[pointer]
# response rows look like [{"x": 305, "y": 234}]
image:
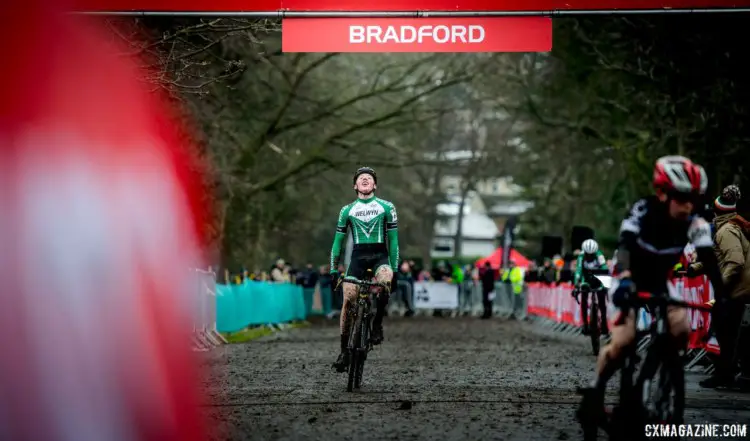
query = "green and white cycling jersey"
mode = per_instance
[
  {"x": 583, "y": 266},
  {"x": 373, "y": 221}
]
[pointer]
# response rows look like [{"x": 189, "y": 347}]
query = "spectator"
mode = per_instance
[
  {"x": 325, "y": 282},
  {"x": 532, "y": 274},
  {"x": 290, "y": 272},
  {"x": 425, "y": 275},
  {"x": 732, "y": 245},
  {"x": 558, "y": 262},
  {"x": 441, "y": 273},
  {"x": 414, "y": 269},
  {"x": 513, "y": 278},
  {"x": 405, "y": 284},
  {"x": 548, "y": 273},
  {"x": 308, "y": 278},
  {"x": 280, "y": 273},
  {"x": 488, "y": 277}
]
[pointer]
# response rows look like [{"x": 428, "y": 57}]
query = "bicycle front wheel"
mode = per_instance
[
  {"x": 362, "y": 353},
  {"x": 661, "y": 388},
  {"x": 594, "y": 325},
  {"x": 354, "y": 355}
]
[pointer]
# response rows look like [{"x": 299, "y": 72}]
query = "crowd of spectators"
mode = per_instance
[{"x": 468, "y": 278}]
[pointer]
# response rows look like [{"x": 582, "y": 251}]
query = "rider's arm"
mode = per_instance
[
  {"x": 630, "y": 229},
  {"x": 338, "y": 239},
  {"x": 578, "y": 275},
  {"x": 602, "y": 260},
  {"x": 391, "y": 226},
  {"x": 699, "y": 235}
]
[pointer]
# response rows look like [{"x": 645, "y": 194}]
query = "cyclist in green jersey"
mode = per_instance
[
  {"x": 373, "y": 221},
  {"x": 591, "y": 259}
]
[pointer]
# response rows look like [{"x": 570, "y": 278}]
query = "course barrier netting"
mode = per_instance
[
  {"x": 555, "y": 306},
  {"x": 254, "y": 303}
]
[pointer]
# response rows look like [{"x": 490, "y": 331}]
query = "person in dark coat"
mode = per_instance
[{"x": 488, "y": 278}]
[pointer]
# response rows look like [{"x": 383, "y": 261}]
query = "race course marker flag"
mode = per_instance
[{"x": 496, "y": 34}]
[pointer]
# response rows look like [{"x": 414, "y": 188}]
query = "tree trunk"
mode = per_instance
[{"x": 458, "y": 238}]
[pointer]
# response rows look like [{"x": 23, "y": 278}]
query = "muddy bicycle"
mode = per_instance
[
  {"x": 596, "y": 319},
  {"x": 658, "y": 393},
  {"x": 360, "y": 320}
]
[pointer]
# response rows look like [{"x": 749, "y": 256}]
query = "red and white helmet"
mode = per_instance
[{"x": 678, "y": 174}]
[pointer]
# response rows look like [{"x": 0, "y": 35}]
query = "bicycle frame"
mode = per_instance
[
  {"x": 361, "y": 311},
  {"x": 359, "y": 335},
  {"x": 660, "y": 352},
  {"x": 594, "y": 318}
]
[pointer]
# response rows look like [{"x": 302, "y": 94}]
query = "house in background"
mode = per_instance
[
  {"x": 500, "y": 197},
  {"x": 479, "y": 231},
  {"x": 485, "y": 212}
]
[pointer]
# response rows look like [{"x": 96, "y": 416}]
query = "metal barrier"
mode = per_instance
[
  {"x": 554, "y": 308},
  {"x": 468, "y": 299},
  {"x": 402, "y": 300},
  {"x": 205, "y": 336}
]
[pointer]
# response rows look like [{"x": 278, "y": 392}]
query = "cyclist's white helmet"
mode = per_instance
[{"x": 590, "y": 246}]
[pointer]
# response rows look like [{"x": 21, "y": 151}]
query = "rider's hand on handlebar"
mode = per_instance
[
  {"x": 336, "y": 280},
  {"x": 692, "y": 271},
  {"x": 624, "y": 290},
  {"x": 624, "y": 275}
]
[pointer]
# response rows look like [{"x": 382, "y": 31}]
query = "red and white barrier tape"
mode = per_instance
[{"x": 556, "y": 304}]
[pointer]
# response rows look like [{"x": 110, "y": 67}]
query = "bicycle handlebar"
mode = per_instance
[
  {"x": 356, "y": 281},
  {"x": 648, "y": 298}
]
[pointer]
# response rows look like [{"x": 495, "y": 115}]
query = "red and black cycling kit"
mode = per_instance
[{"x": 652, "y": 242}]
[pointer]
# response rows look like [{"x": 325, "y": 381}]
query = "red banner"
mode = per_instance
[
  {"x": 556, "y": 303},
  {"x": 516, "y": 34},
  {"x": 396, "y": 5}
]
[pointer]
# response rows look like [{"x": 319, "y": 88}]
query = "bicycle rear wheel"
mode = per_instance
[
  {"x": 354, "y": 356},
  {"x": 594, "y": 325}
]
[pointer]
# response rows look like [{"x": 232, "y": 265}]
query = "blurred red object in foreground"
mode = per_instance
[{"x": 100, "y": 221}]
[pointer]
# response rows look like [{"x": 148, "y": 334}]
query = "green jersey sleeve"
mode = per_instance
[
  {"x": 579, "y": 270},
  {"x": 338, "y": 237},
  {"x": 391, "y": 227}
]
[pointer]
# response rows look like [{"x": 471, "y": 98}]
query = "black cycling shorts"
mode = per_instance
[{"x": 366, "y": 257}]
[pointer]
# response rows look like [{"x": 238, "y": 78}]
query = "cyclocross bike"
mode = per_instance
[
  {"x": 595, "y": 321},
  {"x": 360, "y": 318},
  {"x": 658, "y": 395}
]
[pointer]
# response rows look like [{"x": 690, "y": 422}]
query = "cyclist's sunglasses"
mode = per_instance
[{"x": 683, "y": 198}]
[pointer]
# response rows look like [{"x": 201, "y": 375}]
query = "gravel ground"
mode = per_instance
[{"x": 434, "y": 379}]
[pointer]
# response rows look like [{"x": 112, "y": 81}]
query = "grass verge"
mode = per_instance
[{"x": 249, "y": 334}]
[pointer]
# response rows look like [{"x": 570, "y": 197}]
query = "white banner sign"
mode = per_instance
[{"x": 435, "y": 295}]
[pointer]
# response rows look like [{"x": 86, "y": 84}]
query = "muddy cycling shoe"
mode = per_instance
[
  {"x": 377, "y": 335},
  {"x": 591, "y": 410},
  {"x": 342, "y": 363}
]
